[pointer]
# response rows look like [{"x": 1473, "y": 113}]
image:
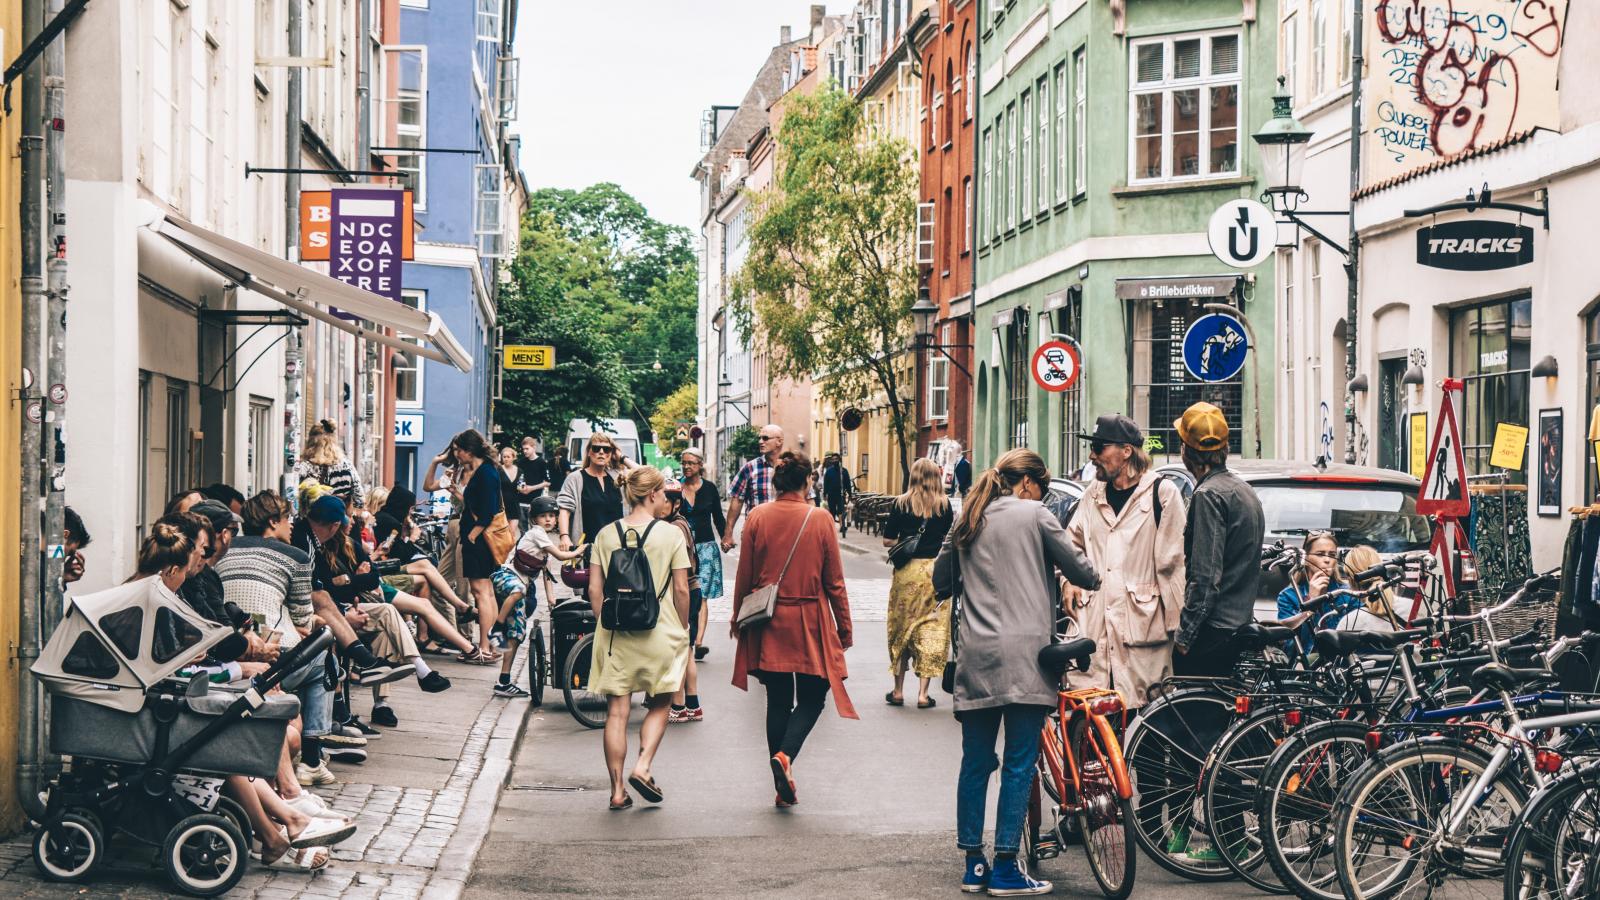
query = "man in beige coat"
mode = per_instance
[{"x": 1138, "y": 551}]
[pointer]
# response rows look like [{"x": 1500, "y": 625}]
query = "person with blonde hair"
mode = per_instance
[
  {"x": 652, "y": 660},
  {"x": 919, "y": 624},
  {"x": 1004, "y": 553},
  {"x": 1376, "y": 613},
  {"x": 322, "y": 458}
]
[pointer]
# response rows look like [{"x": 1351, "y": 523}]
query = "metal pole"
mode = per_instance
[
  {"x": 54, "y": 447},
  {"x": 1255, "y": 359},
  {"x": 1352, "y": 265},
  {"x": 30, "y": 713},
  {"x": 293, "y": 351}
]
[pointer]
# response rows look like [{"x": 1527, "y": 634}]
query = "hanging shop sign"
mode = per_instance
[
  {"x": 1056, "y": 366},
  {"x": 1215, "y": 346},
  {"x": 529, "y": 357},
  {"x": 1201, "y": 287},
  {"x": 1474, "y": 245},
  {"x": 1510, "y": 446},
  {"x": 1444, "y": 483},
  {"x": 316, "y": 226},
  {"x": 364, "y": 250},
  {"x": 1242, "y": 233}
]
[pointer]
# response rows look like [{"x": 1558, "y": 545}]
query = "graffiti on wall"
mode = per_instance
[{"x": 1446, "y": 76}]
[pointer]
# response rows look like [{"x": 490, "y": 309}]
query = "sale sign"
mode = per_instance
[{"x": 364, "y": 249}]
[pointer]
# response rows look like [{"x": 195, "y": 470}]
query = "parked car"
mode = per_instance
[{"x": 623, "y": 431}]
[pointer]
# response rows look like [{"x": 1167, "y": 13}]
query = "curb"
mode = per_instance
[{"x": 454, "y": 869}]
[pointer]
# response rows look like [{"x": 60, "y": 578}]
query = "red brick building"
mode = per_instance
[{"x": 947, "y": 43}]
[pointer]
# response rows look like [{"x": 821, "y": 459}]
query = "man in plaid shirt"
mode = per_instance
[{"x": 753, "y": 485}]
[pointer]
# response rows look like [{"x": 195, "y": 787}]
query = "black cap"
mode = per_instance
[
  {"x": 220, "y": 516},
  {"x": 1115, "y": 428}
]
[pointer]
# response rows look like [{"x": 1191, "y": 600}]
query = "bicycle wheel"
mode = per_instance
[
  {"x": 1229, "y": 785},
  {"x": 1553, "y": 850},
  {"x": 1389, "y": 839},
  {"x": 538, "y": 666},
  {"x": 1295, "y": 805},
  {"x": 1105, "y": 820},
  {"x": 588, "y": 708},
  {"x": 1166, "y": 748}
]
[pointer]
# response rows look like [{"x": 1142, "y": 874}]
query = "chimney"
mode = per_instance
[
  {"x": 783, "y": 35},
  {"x": 819, "y": 11}
]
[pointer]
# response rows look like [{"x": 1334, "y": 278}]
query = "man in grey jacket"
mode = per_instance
[{"x": 1222, "y": 547}]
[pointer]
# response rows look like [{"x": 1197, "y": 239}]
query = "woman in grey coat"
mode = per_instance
[{"x": 1005, "y": 552}]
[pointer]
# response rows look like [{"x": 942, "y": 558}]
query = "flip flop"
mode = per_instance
[
  {"x": 928, "y": 705},
  {"x": 646, "y": 788},
  {"x": 627, "y": 803},
  {"x": 889, "y": 699},
  {"x": 323, "y": 832}
]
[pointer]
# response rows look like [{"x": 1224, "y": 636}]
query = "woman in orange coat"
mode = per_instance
[{"x": 799, "y": 653}]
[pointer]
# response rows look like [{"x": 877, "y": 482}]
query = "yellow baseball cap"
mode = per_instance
[{"x": 1203, "y": 427}]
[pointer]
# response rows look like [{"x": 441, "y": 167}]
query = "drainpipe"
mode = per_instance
[
  {"x": 294, "y": 347},
  {"x": 30, "y": 715},
  {"x": 1352, "y": 266},
  {"x": 54, "y": 438},
  {"x": 972, "y": 226},
  {"x": 368, "y": 438}
]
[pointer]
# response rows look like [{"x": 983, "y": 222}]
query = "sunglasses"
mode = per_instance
[
  {"x": 606, "y": 450},
  {"x": 1096, "y": 446}
]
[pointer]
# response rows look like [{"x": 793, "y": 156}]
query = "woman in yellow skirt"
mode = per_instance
[{"x": 919, "y": 625}]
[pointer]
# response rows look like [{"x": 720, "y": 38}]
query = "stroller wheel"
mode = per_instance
[
  {"x": 234, "y": 813},
  {"x": 204, "y": 855},
  {"x": 69, "y": 850}
]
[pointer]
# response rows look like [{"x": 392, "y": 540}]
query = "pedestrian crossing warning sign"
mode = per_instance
[
  {"x": 529, "y": 356},
  {"x": 1444, "y": 484}
]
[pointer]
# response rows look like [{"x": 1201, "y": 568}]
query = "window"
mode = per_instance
[
  {"x": 954, "y": 82},
  {"x": 177, "y": 96},
  {"x": 143, "y": 449},
  {"x": 177, "y": 435},
  {"x": 1011, "y": 166},
  {"x": 1025, "y": 162},
  {"x": 1319, "y": 48},
  {"x": 972, "y": 80},
  {"x": 925, "y": 233},
  {"x": 987, "y": 187},
  {"x": 1289, "y": 51},
  {"x": 934, "y": 132},
  {"x": 404, "y": 81},
  {"x": 966, "y": 220},
  {"x": 258, "y": 445},
  {"x": 938, "y": 386},
  {"x": 1490, "y": 345},
  {"x": 1018, "y": 378},
  {"x": 1062, "y": 180},
  {"x": 947, "y": 242},
  {"x": 1042, "y": 188},
  {"x": 1314, "y": 326},
  {"x": 1080, "y": 121},
  {"x": 408, "y": 366},
  {"x": 488, "y": 225},
  {"x": 487, "y": 51},
  {"x": 1185, "y": 108},
  {"x": 510, "y": 66},
  {"x": 1345, "y": 50},
  {"x": 1292, "y": 320},
  {"x": 1162, "y": 387}
]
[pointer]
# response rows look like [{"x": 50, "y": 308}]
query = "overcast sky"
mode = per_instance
[{"x": 612, "y": 90}]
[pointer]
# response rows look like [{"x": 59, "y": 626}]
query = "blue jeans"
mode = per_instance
[
  {"x": 979, "y": 730},
  {"x": 310, "y": 684}
]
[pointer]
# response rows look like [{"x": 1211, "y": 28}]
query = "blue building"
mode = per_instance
[{"x": 452, "y": 82}]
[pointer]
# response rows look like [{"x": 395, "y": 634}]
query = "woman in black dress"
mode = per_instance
[{"x": 480, "y": 501}]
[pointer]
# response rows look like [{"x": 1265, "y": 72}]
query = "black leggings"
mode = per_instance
[{"x": 794, "y": 702}]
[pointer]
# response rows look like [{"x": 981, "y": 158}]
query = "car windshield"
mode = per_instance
[{"x": 1383, "y": 517}]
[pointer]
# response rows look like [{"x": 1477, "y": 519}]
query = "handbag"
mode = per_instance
[
  {"x": 499, "y": 538},
  {"x": 387, "y": 566},
  {"x": 527, "y": 562},
  {"x": 947, "y": 679},
  {"x": 756, "y": 607},
  {"x": 905, "y": 549}
]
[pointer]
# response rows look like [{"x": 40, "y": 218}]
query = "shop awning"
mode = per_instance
[{"x": 312, "y": 293}]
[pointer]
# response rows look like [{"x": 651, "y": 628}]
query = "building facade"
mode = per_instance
[{"x": 1108, "y": 135}]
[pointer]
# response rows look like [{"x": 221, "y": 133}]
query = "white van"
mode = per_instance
[{"x": 622, "y": 431}]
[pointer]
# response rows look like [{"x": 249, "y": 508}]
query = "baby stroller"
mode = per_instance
[{"x": 147, "y": 749}]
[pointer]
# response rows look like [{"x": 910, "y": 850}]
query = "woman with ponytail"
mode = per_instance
[
  {"x": 323, "y": 459},
  {"x": 1004, "y": 551}
]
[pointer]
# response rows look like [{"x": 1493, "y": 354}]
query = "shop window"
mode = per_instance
[
  {"x": 1163, "y": 388},
  {"x": 1489, "y": 347},
  {"x": 1392, "y": 431},
  {"x": 1018, "y": 378}
]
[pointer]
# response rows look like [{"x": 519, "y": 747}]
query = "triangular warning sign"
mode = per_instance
[{"x": 1444, "y": 482}]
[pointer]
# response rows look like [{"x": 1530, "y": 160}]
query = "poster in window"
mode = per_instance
[
  {"x": 1419, "y": 444},
  {"x": 1549, "y": 462}
]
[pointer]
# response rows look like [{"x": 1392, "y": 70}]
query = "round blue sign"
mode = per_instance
[{"x": 1214, "y": 347}]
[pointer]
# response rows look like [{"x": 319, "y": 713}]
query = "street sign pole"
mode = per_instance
[{"x": 1255, "y": 360}]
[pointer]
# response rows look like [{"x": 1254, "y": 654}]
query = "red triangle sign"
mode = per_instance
[{"x": 1444, "y": 482}]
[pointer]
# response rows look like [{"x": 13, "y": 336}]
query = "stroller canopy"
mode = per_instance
[{"x": 112, "y": 645}]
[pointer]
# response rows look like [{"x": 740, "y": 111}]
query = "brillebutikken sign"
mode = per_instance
[{"x": 1474, "y": 246}]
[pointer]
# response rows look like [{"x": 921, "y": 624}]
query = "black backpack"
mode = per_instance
[{"x": 631, "y": 601}]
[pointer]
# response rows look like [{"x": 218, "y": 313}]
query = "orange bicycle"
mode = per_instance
[{"x": 1082, "y": 774}]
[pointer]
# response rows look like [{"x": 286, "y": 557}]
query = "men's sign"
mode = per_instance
[
  {"x": 366, "y": 233},
  {"x": 529, "y": 356},
  {"x": 316, "y": 226},
  {"x": 1474, "y": 245},
  {"x": 1056, "y": 366}
]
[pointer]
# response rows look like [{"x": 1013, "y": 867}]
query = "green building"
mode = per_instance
[{"x": 1110, "y": 131}]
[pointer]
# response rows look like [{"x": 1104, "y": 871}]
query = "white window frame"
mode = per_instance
[
  {"x": 1289, "y": 51},
  {"x": 938, "y": 399},
  {"x": 1011, "y": 166},
  {"x": 986, "y": 189},
  {"x": 1346, "y": 19},
  {"x": 1319, "y": 48},
  {"x": 506, "y": 92},
  {"x": 1080, "y": 121},
  {"x": 489, "y": 195},
  {"x": 967, "y": 223},
  {"x": 1041, "y": 98},
  {"x": 418, "y": 299},
  {"x": 486, "y": 27},
  {"x": 1025, "y": 161},
  {"x": 418, "y": 4},
  {"x": 1202, "y": 84},
  {"x": 925, "y": 232},
  {"x": 391, "y": 107},
  {"x": 972, "y": 80},
  {"x": 1062, "y": 138},
  {"x": 934, "y": 134}
]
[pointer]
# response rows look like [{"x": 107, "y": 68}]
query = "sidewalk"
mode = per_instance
[{"x": 422, "y": 802}]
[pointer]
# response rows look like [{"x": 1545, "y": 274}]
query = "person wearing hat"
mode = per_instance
[
  {"x": 1221, "y": 546},
  {"x": 1129, "y": 525}
]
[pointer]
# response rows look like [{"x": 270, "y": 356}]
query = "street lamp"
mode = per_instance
[
  {"x": 1282, "y": 142},
  {"x": 923, "y": 314}
]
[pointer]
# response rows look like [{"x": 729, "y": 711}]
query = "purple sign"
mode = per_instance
[{"x": 365, "y": 240}]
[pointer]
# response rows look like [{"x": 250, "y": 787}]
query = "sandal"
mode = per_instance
[
  {"x": 292, "y": 859},
  {"x": 477, "y": 657},
  {"x": 433, "y": 649},
  {"x": 646, "y": 788},
  {"x": 890, "y": 699},
  {"x": 929, "y": 703},
  {"x": 627, "y": 803},
  {"x": 323, "y": 832}
]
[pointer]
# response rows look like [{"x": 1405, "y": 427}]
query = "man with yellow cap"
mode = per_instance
[{"x": 1222, "y": 547}]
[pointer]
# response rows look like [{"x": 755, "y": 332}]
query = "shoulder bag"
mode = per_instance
[
  {"x": 905, "y": 549},
  {"x": 497, "y": 536},
  {"x": 756, "y": 607},
  {"x": 947, "y": 680}
]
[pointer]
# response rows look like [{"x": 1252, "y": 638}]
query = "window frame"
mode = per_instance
[
  {"x": 1202, "y": 84},
  {"x": 1041, "y": 95},
  {"x": 391, "y": 106},
  {"x": 407, "y": 296},
  {"x": 1080, "y": 122},
  {"x": 966, "y": 221},
  {"x": 938, "y": 393},
  {"x": 987, "y": 187},
  {"x": 489, "y": 194},
  {"x": 1062, "y": 136},
  {"x": 1011, "y": 166},
  {"x": 1025, "y": 159},
  {"x": 1318, "y": 20}
]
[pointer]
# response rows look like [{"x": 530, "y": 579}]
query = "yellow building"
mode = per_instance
[
  {"x": 10, "y": 475},
  {"x": 869, "y": 452}
]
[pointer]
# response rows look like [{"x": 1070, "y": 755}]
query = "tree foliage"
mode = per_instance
[
  {"x": 680, "y": 406},
  {"x": 830, "y": 275},
  {"x": 614, "y": 290}
]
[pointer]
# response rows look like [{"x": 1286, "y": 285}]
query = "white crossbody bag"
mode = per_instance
[{"x": 756, "y": 607}]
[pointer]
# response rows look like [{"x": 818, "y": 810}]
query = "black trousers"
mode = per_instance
[
  {"x": 1213, "y": 654},
  {"x": 794, "y": 702}
]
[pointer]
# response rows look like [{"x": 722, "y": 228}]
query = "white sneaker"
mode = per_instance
[
  {"x": 314, "y": 777},
  {"x": 312, "y": 805}
]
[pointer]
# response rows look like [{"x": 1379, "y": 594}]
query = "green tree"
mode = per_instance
[
  {"x": 742, "y": 445},
  {"x": 830, "y": 276},
  {"x": 680, "y": 406}
]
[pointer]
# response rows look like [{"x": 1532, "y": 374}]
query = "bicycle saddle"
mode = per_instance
[
  {"x": 1255, "y": 635},
  {"x": 1501, "y": 677},
  {"x": 1340, "y": 643},
  {"x": 1057, "y": 658}
]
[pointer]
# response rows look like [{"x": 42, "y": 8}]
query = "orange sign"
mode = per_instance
[{"x": 316, "y": 226}]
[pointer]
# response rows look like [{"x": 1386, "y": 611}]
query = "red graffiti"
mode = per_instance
[{"x": 1546, "y": 37}]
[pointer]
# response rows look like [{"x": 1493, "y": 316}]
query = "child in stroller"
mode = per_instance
[{"x": 150, "y": 751}]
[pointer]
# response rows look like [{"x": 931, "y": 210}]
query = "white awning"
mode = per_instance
[{"x": 312, "y": 293}]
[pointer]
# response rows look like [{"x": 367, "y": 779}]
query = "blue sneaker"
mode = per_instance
[
  {"x": 977, "y": 878},
  {"x": 1009, "y": 879}
]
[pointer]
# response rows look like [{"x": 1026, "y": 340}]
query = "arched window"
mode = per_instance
[{"x": 949, "y": 82}]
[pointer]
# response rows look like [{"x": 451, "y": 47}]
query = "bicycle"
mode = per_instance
[{"x": 1082, "y": 770}]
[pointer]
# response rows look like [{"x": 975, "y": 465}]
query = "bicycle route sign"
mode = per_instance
[
  {"x": 1214, "y": 347},
  {"x": 1444, "y": 482},
  {"x": 1056, "y": 366}
]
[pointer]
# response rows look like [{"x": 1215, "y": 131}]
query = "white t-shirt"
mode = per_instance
[{"x": 537, "y": 541}]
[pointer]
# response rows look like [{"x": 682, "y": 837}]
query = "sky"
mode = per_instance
[{"x": 612, "y": 90}]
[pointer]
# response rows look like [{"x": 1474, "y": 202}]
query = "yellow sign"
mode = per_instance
[
  {"x": 1419, "y": 444},
  {"x": 1510, "y": 445},
  {"x": 529, "y": 356}
]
